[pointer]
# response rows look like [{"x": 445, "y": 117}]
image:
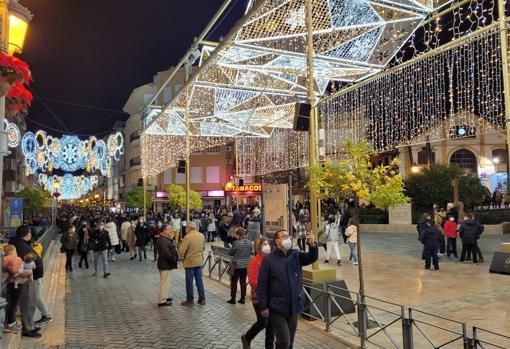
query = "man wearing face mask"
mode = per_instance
[
  {"x": 280, "y": 286},
  {"x": 100, "y": 241}
]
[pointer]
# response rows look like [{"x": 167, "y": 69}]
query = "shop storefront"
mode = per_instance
[{"x": 249, "y": 194}]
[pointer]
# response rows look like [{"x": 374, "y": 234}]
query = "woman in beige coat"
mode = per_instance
[{"x": 131, "y": 240}]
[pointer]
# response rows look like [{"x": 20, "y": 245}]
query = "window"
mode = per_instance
[
  {"x": 499, "y": 156},
  {"x": 465, "y": 159},
  {"x": 167, "y": 177},
  {"x": 135, "y": 162},
  {"x": 180, "y": 178},
  {"x": 196, "y": 175},
  {"x": 134, "y": 136},
  {"x": 214, "y": 150},
  {"x": 213, "y": 174}
]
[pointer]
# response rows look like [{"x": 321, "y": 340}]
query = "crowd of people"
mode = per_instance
[{"x": 439, "y": 233}]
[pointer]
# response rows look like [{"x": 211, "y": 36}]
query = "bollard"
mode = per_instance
[
  {"x": 407, "y": 329},
  {"x": 328, "y": 309},
  {"x": 209, "y": 263}
]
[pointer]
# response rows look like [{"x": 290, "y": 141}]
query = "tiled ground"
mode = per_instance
[{"x": 120, "y": 312}]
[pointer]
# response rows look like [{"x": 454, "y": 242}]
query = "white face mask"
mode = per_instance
[
  {"x": 266, "y": 249},
  {"x": 287, "y": 244},
  {"x": 452, "y": 219}
]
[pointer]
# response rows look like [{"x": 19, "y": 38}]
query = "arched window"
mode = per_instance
[
  {"x": 499, "y": 156},
  {"x": 465, "y": 159}
]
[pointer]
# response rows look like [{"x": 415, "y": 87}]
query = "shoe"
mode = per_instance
[
  {"x": 187, "y": 303},
  {"x": 79, "y": 266},
  {"x": 86, "y": 267},
  {"x": 106, "y": 275},
  {"x": 13, "y": 328},
  {"x": 43, "y": 320},
  {"x": 436, "y": 269},
  {"x": 355, "y": 263},
  {"x": 140, "y": 259},
  {"x": 36, "y": 329},
  {"x": 169, "y": 299},
  {"x": 165, "y": 304},
  {"x": 201, "y": 301},
  {"x": 449, "y": 258},
  {"x": 427, "y": 268},
  {"x": 31, "y": 334},
  {"x": 95, "y": 273},
  {"x": 241, "y": 301},
  {"x": 326, "y": 261},
  {"x": 231, "y": 301},
  {"x": 339, "y": 262},
  {"x": 144, "y": 256},
  {"x": 155, "y": 260},
  {"x": 246, "y": 343},
  {"x": 70, "y": 269},
  {"x": 113, "y": 259}
]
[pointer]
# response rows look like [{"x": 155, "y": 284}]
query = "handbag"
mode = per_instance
[
  {"x": 62, "y": 249},
  {"x": 231, "y": 268},
  {"x": 118, "y": 250}
]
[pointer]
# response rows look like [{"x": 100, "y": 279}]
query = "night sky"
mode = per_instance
[{"x": 96, "y": 52}]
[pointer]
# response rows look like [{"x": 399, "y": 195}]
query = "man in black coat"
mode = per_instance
[
  {"x": 470, "y": 232},
  {"x": 280, "y": 286},
  {"x": 167, "y": 260},
  {"x": 431, "y": 239},
  {"x": 28, "y": 295}
]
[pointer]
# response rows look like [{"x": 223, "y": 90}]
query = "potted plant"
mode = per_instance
[
  {"x": 12, "y": 70},
  {"x": 18, "y": 100}
]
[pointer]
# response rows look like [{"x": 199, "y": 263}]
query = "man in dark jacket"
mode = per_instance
[
  {"x": 280, "y": 286},
  {"x": 167, "y": 260},
  {"x": 431, "y": 238},
  {"x": 470, "y": 232},
  {"x": 100, "y": 243},
  {"x": 28, "y": 294},
  {"x": 142, "y": 237}
]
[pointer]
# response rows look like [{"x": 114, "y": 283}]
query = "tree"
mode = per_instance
[
  {"x": 33, "y": 200},
  {"x": 433, "y": 185},
  {"x": 134, "y": 199},
  {"x": 356, "y": 177},
  {"x": 177, "y": 198}
]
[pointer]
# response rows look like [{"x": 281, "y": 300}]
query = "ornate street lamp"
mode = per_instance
[
  {"x": 14, "y": 19},
  {"x": 19, "y": 16}
]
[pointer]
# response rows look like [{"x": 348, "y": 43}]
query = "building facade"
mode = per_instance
[{"x": 481, "y": 153}]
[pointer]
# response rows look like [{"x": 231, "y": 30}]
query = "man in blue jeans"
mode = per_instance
[
  {"x": 191, "y": 252},
  {"x": 280, "y": 286}
]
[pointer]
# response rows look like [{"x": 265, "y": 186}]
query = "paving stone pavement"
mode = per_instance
[{"x": 121, "y": 312}]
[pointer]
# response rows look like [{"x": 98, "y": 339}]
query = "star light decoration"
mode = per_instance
[
  {"x": 249, "y": 84},
  {"x": 69, "y": 153},
  {"x": 70, "y": 187}
]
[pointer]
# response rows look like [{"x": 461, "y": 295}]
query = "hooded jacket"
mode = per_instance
[
  {"x": 280, "y": 283},
  {"x": 470, "y": 231},
  {"x": 111, "y": 228}
]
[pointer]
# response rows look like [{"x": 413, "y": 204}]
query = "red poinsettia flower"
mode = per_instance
[{"x": 14, "y": 69}]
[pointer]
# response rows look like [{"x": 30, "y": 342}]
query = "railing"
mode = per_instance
[
  {"x": 381, "y": 323},
  {"x": 218, "y": 258},
  {"x": 485, "y": 339}
]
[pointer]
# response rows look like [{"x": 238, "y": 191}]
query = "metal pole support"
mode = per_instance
[
  {"x": 362, "y": 321},
  {"x": 328, "y": 309},
  {"x": 407, "y": 329}
]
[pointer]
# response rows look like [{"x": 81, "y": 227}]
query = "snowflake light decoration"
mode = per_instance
[{"x": 71, "y": 187}]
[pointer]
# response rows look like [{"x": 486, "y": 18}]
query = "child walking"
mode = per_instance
[{"x": 352, "y": 239}]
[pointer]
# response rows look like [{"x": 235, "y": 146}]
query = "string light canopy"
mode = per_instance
[
  {"x": 68, "y": 153},
  {"x": 248, "y": 85},
  {"x": 69, "y": 187}
]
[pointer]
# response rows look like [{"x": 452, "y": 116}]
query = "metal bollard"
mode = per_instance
[
  {"x": 209, "y": 263},
  {"x": 328, "y": 309},
  {"x": 407, "y": 329}
]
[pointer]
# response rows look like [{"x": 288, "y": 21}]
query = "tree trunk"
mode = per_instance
[{"x": 361, "y": 307}]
